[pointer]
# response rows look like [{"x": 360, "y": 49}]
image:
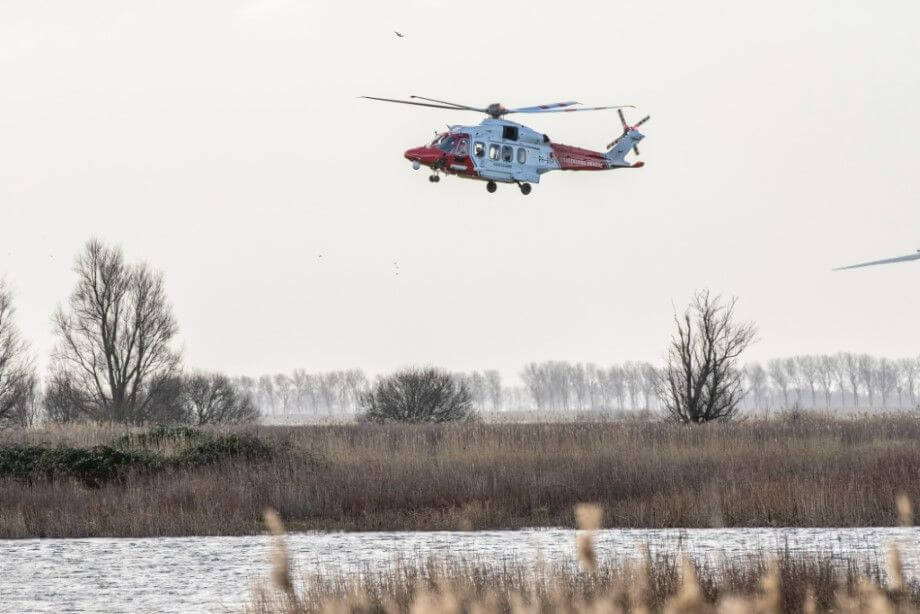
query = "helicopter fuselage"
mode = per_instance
[{"x": 498, "y": 150}]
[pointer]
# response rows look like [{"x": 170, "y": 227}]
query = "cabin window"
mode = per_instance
[
  {"x": 507, "y": 153},
  {"x": 446, "y": 143},
  {"x": 461, "y": 149},
  {"x": 522, "y": 155},
  {"x": 479, "y": 149},
  {"x": 510, "y": 133},
  {"x": 494, "y": 151}
]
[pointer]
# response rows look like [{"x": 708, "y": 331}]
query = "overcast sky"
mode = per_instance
[{"x": 223, "y": 142}]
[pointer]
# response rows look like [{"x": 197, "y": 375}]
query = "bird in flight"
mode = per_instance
[
  {"x": 398, "y": 34},
  {"x": 906, "y": 258}
]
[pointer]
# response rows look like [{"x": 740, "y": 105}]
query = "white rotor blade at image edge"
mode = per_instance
[
  {"x": 885, "y": 261},
  {"x": 542, "y": 108},
  {"x": 622, "y": 106}
]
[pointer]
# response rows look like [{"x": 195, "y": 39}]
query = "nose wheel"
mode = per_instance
[
  {"x": 491, "y": 187},
  {"x": 434, "y": 178}
]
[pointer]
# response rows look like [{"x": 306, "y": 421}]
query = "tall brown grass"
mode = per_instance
[
  {"x": 814, "y": 471},
  {"x": 761, "y": 584}
]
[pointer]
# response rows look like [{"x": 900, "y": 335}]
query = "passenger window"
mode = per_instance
[
  {"x": 507, "y": 153},
  {"x": 522, "y": 155},
  {"x": 494, "y": 152},
  {"x": 479, "y": 149}
]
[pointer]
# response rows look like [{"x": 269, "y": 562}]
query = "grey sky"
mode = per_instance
[{"x": 223, "y": 142}]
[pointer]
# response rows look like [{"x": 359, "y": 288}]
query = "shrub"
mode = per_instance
[
  {"x": 216, "y": 449},
  {"x": 159, "y": 435},
  {"x": 93, "y": 466},
  {"x": 418, "y": 395},
  {"x": 132, "y": 453}
]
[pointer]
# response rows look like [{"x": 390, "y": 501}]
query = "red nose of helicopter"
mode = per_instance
[{"x": 424, "y": 155}]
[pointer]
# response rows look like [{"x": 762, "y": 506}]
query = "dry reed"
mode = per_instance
[
  {"x": 764, "y": 585},
  {"x": 482, "y": 476}
]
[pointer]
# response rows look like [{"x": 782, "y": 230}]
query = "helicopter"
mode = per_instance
[
  {"x": 502, "y": 151},
  {"x": 906, "y": 258}
]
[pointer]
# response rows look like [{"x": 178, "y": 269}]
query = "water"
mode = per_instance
[{"x": 215, "y": 574}]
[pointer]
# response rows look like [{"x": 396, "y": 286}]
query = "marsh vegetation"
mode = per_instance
[{"x": 810, "y": 470}]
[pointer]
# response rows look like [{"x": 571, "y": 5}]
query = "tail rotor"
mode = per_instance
[{"x": 627, "y": 128}]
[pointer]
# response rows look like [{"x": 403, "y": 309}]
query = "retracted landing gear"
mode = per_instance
[{"x": 491, "y": 187}]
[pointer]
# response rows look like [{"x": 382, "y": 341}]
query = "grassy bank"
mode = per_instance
[{"x": 812, "y": 471}]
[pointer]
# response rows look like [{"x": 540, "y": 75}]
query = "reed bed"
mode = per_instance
[
  {"x": 649, "y": 583},
  {"x": 811, "y": 471}
]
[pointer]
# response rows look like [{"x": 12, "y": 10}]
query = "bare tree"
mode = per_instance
[
  {"x": 888, "y": 376},
  {"x": 211, "y": 398},
  {"x": 62, "y": 400},
  {"x": 560, "y": 383},
  {"x": 649, "y": 382},
  {"x": 850, "y": 366},
  {"x": 633, "y": 379},
  {"x": 702, "y": 380},
  {"x": 827, "y": 375},
  {"x": 910, "y": 372},
  {"x": 356, "y": 382},
  {"x": 581, "y": 386},
  {"x": 780, "y": 376},
  {"x": 535, "y": 381},
  {"x": 284, "y": 392},
  {"x": 808, "y": 375},
  {"x": 494, "y": 388},
  {"x": 618, "y": 385},
  {"x": 868, "y": 375},
  {"x": 418, "y": 395},
  {"x": 795, "y": 378},
  {"x": 266, "y": 388},
  {"x": 17, "y": 372},
  {"x": 757, "y": 382},
  {"x": 115, "y": 336}
]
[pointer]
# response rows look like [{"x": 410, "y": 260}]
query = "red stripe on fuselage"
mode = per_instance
[{"x": 578, "y": 159}]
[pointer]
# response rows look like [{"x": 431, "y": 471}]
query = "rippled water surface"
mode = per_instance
[{"x": 214, "y": 574}]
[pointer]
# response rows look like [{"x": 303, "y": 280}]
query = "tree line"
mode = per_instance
[
  {"x": 115, "y": 359},
  {"x": 842, "y": 381},
  {"x": 845, "y": 380}
]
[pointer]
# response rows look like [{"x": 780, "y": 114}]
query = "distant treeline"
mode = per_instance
[
  {"x": 844, "y": 381},
  {"x": 116, "y": 359}
]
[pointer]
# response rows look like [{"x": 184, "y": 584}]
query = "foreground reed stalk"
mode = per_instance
[{"x": 667, "y": 584}]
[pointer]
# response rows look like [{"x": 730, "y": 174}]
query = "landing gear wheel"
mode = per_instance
[
  {"x": 491, "y": 187},
  {"x": 434, "y": 178},
  {"x": 525, "y": 189}
]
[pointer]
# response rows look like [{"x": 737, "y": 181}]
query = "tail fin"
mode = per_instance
[{"x": 622, "y": 146}]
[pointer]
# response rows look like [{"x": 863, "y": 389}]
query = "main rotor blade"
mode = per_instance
[
  {"x": 624, "y": 106},
  {"x": 453, "y": 104},
  {"x": 541, "y": 108},
  {"x": 885, "y": 261},
  {"x": 420, "y": 104}
]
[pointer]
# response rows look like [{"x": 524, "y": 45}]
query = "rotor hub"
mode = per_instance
[{"x": 496, "y": 110}]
